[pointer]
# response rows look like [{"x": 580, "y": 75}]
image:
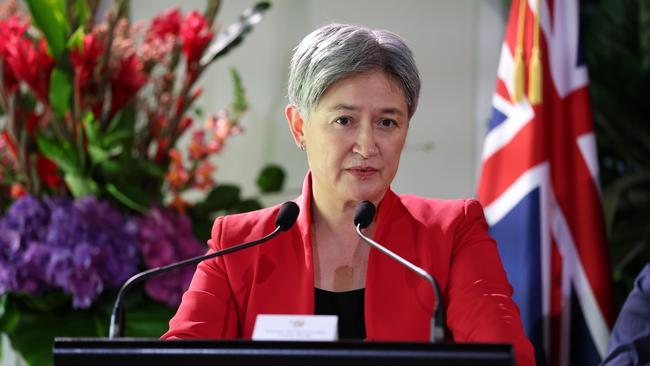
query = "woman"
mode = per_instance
[{"x": 352, "y": 92}]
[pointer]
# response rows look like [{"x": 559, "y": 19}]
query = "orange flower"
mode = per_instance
[
  {"x": 16, "y": 190},
  {"x": 203, "y": 175},
  {"x": 177, "y": 176},
  {"x": 179, "y": 204},
  {"x": 197, "y": 149}
]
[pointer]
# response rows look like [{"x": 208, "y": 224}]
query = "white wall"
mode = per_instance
[{"x": 456, "y": 45}]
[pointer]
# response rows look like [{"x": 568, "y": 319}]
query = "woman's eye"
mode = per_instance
[
  {"x": 343, "y": 120},
  {"x": 387, "y": 123}
]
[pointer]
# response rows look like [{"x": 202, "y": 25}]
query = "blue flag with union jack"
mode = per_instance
[{"x": 539, "y": 185}]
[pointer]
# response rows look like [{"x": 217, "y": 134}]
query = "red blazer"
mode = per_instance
[{"x": 447, "y": 238}]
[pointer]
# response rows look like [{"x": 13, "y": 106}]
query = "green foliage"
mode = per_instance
[
  {"x": 60, "y": 91},
  {"x": 50, "y": 17},
  {"x": 32, "y": 322},
  {"x": 239, "y": 104},
  {"x": 8, "y": 315},
  {"x": 122, "y": 154},
  {"x": 271, "y": 179},
  {"x": 80, "y": 186},
  {"x": 616, "y": 34},
  {"x": 62, "y": 152},
  {"x": 81, "y": 11},
  {"x": 226, "y": 199}
]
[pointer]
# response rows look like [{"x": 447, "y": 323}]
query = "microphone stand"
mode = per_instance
[
  {"x": 117, "y": 316},
  {"x": 437, "y": 330}
]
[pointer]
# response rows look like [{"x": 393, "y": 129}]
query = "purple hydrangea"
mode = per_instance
[
  {"x": 167, "y": 237},
  {"x": 80, "y": 246}
]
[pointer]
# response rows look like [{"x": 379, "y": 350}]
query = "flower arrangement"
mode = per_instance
[
  {"x": 80, "y": 246},
  {"x": 94, "y": 183}
]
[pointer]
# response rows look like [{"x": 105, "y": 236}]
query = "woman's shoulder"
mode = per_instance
[
  {"x": 437, "y": 210},
  {"x": 242, "y": 227},
  {"x": 435, "y": 205}
]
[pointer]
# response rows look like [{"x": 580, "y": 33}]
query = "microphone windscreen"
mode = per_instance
[
  {"x": 364, "y": 214},
  {"x": 287, "y": 215}
]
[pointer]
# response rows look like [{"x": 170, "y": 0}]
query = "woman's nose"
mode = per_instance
[{"x": 366, "y": 144}]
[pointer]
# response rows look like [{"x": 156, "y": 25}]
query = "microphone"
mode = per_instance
[
  {"x": 363, "y": 217},
  {"x": 284, "y": 220}
]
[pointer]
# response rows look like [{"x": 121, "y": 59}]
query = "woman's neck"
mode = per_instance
[
  {"x": 333, "y": 215},
  {"x": 336, "y": 218}
]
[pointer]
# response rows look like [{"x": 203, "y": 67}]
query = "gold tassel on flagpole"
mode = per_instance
[
  {"x": 535, "y": 66},
  {"x": 518, "y": 94}
]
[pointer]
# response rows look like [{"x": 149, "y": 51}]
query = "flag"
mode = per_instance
[{"x": 539, "y": 185}]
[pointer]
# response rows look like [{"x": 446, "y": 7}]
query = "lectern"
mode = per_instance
[{"x": 144, "y": 352}]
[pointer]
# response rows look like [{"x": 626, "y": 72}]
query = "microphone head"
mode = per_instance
[
  {"x": 364, "y": 214},
  {"x": 287, "y": 215}
]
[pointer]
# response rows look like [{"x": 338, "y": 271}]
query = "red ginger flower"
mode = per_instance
[
  {"x": 125, "y": 83},
  {"x": 11, "y": 30},
  {"x": 9, "y": 143},
  {"x": 183, "y": 125},
  {"x": 85, "y": 59},
  {"x": 47, "y": 171},
  {"x": 31, "y": 120},
  {"x": 168, "y": 23},
  {"x": 196, "y": 35},
  {"x": 31, "y": 64}
]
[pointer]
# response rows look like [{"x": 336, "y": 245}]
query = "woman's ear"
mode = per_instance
[{"x": 296, "y": 122}]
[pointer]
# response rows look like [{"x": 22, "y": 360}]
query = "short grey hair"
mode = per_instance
[{"x": 337, "y": 51}]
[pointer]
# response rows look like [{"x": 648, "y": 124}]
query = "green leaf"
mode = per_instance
[
  {"x": 117, "y": 137},
  {"x": 60, "y": 91},
  {"x": 9, "y": 315},
  {"x": 246, "y": 206},
  {"x": 239, "y": 104},
  {"x": 124, "y": 120},
  {"x": 50, "y": 17},
  {"x": 92, "y": 129},
  {"x": 222, "y": 197},
  {"x": 76, "y": 40},
  {"x": 120, "y": 130},
  {"x": 131, "y": 197},
  {"x": 201, "y": 225},
  {"x": 34, "y": 336},
  {"x": 148, "y": 319},
  {"x": 271, "y": 179},
  {"x": 44, "y": 302},
  {"x": 99, "y": 155},
  {"x": 61, "y": 152},
  {"x": 81, "y": 11},
  {"x": 81, "y": 186}
]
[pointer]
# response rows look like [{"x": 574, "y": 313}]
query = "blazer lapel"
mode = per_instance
[{"x": 398, "y": 302}]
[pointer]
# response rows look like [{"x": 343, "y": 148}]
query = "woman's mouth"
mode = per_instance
[{"x": 362, "y": 172}]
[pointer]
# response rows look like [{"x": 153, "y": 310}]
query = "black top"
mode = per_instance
[{"x": 348, "y": 305}]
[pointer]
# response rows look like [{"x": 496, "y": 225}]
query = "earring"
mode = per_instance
[{"x": 302, "y": 146}]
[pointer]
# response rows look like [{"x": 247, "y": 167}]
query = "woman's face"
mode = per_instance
[{"x": 354, "y": 137}]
